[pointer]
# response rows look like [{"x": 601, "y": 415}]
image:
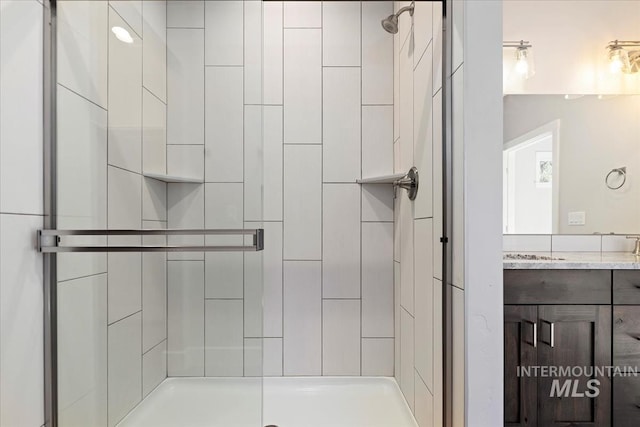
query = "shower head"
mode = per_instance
[{"x": 390, "y": 23}]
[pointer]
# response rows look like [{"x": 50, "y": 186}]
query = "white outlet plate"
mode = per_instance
[{"x": 577, "y": 218}]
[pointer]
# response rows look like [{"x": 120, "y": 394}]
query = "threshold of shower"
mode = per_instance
[{"x": 286, "y": 402}]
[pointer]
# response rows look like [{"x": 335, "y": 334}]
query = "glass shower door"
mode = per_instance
[{"x": 156, "y": 238}]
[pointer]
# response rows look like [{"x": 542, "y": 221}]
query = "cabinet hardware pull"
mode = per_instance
[
  {"x": 552, "y": 328},
  {"x": 535, "y": 332}
]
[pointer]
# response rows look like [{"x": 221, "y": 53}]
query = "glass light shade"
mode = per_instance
[
  {"x": 524, "y": 62},
  {"x": 618, "y": 59}
]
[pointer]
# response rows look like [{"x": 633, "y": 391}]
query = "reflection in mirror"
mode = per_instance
[{"x": 571, "y": 164}]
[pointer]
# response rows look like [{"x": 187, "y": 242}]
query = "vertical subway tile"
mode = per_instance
[
  {"x": 224, "y": 130},
  {"x": 254, "y": 163},
  {"x": 186, "y": 319},
  {"x": 224, "y": 32},
  {"x": 272, "y": 148},
  {"x": 437, "y": 46},
  {"x": 458, "y": 351},
  {"x": 423, "y": 133},
  {"x": 406, "y": 255},
  {"x": 185, "y": 86},
  {"x": 302, "y": 318},
  {"x": 185, "y": 209},
  {"x": 377, "y": 280},
  {"x": 377, "y": 140},
  {"x": 263, "y": 163},
  {"x": 422, "y": 23},
  {"x": 154, "y": 134},
  {"x": 302, "y": 202},
  {"x": 377, "y": 357},
  {"x": 437, "y": 185},
  {"x": 82, "y": 351},
  {"x": 272, "y": 52},
  {"x": 252, "y": 51},
  {"x": 302, "y": 85},
  {"x": 397, "y": 310},
  {"x": 82, "y": 178},
  {"x": 154, "y": 52},
  {"x": 125, "y": 367},
  {"x": 457, "y": 234},
  {"x": 154, "y": 290},
  {"x": 407, "y": 357},
  {"x": 341, "y": 241},
  {"x": 341, "y": 33},
  {"x": 424, "y": 319},
  {"x": 21, "y": 330},
  {"x": 302, "y": 14},
  {"x": 154, "y": 367},
  {"x": 224, "y": 342},
  {"x": 341, "y": 124},
  {"x": 341, "y": 337},
  {"x": 185, "y": 13},
  {"x": 377, "y": 54},
  {"x": 253, "y": 357},
  {"x": 423, "y": 410},
  {"x": 83, "y": 36},
  {"x": 272, "y": 357},
  {"x": 263, "y": 284},
  {"x": 406, "y": 107},
  {"x": 21, "y": 115}
]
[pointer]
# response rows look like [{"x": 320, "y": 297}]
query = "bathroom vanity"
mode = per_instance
[{"x": 575, "y": 310}]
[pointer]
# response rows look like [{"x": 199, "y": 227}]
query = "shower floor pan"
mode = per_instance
[{"x": 288, "y": 402}]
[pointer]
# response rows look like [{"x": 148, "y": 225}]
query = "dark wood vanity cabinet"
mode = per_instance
[
  {"x": 626, "y": 354},
  {"x": 546, "y": 325}
]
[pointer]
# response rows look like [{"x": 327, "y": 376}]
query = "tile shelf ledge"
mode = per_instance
[
  {"x": 382, "y": 179},
  {"x": 173, "y": 178}
]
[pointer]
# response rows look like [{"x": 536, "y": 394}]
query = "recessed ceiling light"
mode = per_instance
[{"x": 122, "y": 34}]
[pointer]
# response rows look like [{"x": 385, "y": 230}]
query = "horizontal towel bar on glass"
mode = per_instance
[{"x": 49, "y": 240}]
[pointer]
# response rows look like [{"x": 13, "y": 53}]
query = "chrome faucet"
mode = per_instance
[{"x": 636, "y": 250}]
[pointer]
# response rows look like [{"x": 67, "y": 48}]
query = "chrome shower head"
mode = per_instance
[{"x": 390, "y": 23}]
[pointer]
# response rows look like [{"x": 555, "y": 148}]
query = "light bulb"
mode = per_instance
[
  {"x": 616, "y": 65},
  {"x": 122, "y": 34},
  {"x": 522, "y": 66}
]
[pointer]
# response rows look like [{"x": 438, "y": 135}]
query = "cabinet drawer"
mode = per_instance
[
  {"x": 557, "y": 286},
  {"x": 626, "y": 287}
]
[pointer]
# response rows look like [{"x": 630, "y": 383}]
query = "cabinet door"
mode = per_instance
[
  {"x": 574, "y": 336},
  {"x": 626, "y": 353},
  {"x": 520, "y": 393}
]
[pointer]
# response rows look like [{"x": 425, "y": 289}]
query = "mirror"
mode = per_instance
[{"x": 571, "y": 164}]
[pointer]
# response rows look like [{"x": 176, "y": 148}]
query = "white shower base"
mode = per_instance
[{"x": 288, "y": 402}]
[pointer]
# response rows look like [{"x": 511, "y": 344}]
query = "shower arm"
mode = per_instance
[{"x": 409, "y": 8}]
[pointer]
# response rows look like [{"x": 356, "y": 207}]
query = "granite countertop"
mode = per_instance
[{"x": 573, "y": 261}]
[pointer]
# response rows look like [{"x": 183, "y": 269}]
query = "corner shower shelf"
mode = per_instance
[
  {"x": 173, "y": 178},
  {"x": 382, "y": 179}
]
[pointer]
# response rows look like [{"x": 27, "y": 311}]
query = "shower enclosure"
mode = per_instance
[{"x": 227, "y": 239}]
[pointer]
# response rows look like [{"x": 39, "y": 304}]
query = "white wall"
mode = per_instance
[
  {"x": 21, "y": 214},
  {"x": 596, "y": 135},
  {"x": 285, "y": 134},
  {"x": 569, "y": 39},
  {"x": 111, "y": 128},
  {"x": 418, "y": 225}
]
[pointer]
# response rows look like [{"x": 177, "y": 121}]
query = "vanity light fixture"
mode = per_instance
[
  {"x": 624, "y": 56},
  {"x": 524, "y": 58},
  {"x": 122, "y": 34}
]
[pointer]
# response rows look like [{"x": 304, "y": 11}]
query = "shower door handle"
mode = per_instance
[{"x": 49, "y": 240}]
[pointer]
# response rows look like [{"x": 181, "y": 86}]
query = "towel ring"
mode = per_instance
[{"x": 620, "y": 171}]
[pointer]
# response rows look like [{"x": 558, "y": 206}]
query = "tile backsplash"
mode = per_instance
[{"x": 566, "y": 243}]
